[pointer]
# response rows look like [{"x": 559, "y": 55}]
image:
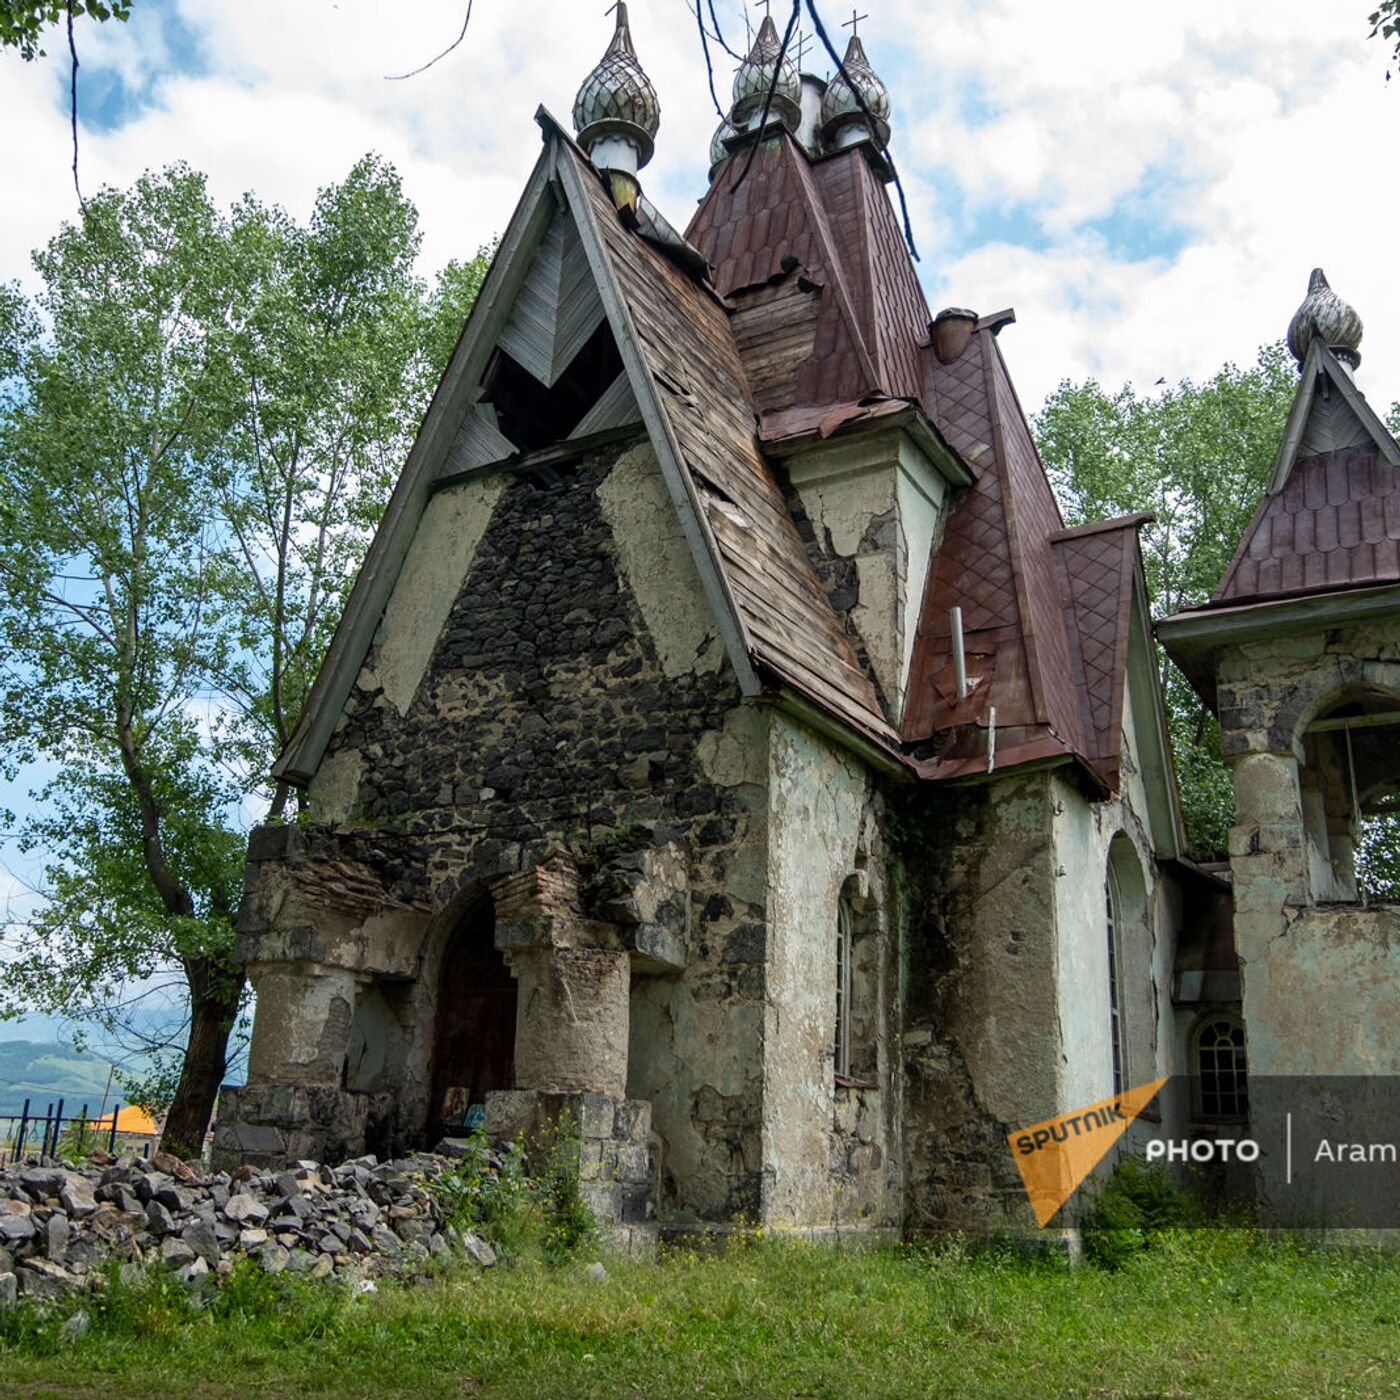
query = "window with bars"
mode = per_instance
[{"x": 1221, "y": 1069}]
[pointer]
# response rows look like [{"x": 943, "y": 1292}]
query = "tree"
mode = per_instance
[
  {"x": 1385, "y": 24},
  {"x": 202, "y": 418},
  {"x": 22, "y": 25},
  {"x": 1199, "y": 457}
]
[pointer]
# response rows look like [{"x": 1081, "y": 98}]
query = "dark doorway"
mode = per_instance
[{"x": 474, "y": 1048}]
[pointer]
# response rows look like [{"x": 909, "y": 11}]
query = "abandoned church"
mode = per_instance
[{"x": 727, "y": 747}]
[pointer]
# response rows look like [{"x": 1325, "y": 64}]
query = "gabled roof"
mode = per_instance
[
  {"x": 1329, "y": 413},
  {"x": 674, "y": 338},
  {"x": 1331, "y": 518},
  {"x": 1324, "y": 544}
]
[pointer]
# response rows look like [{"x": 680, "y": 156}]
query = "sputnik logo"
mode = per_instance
[{"x": 1056, "y": 1155}]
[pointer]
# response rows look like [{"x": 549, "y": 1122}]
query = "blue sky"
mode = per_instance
[{"x": 1149, "y": 186}]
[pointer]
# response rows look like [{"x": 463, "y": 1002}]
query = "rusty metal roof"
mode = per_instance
[
  {"x": 1031, "y": 620},
  {"x": 1096, "y": 565},
  {"x": 1334, "y": 525},
  {"x": 832, "y": 219}
]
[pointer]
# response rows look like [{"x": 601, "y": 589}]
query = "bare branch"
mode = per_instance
[
  {"x": 73, "y": 92},
  {"x": 399, "y": 77}
]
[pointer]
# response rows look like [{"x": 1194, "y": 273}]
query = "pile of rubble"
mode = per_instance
[{"x": 59, "y": 1224}]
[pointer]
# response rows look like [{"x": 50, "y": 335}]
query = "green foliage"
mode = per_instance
[
  {"x": 1385, "y": 24},
  {"x": 201, "y": 417},
  {"x": 22, "y": 22},
  {"x": 529, "y": 1207},
  {"x": 1378, "y": 859},
  {"x": 1198, "y": 456},
  {"x": 1131, "y": 1210}
]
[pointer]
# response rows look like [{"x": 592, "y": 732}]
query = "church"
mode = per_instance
[{"x": 727, "y": 749}]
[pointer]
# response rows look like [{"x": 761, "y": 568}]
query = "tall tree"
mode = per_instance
[
  {"x": 201, "y": 419},
  {"x": 1198, "y": 456}
]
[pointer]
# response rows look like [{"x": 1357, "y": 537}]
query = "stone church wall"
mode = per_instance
[
  {"x": 574, "y": 694},
  {"x": 1006, "y": 1019},
  {"x": 1318, "y": 970},
  {"x": 831, "y": 1151}
]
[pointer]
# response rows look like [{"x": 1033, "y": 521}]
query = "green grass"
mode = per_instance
[{"x": 1203, "y": 1314}]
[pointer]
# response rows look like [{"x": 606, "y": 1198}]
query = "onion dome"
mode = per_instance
[
  {"x": 755, "y": 77},
  {"x": 843, "y": 122},
  {"x": 1324, "y": 313},
  {"x": 719, "y": 152},
  {"x": 617, "y": 107}
]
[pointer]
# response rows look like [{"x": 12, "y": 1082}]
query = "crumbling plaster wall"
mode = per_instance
[
  {"x": 982, "y": 1032},
  {"x": 1006, "y": 1018},
  {"x": 575, "y": 693},
  {"x": 830, "y": 1154},
  {"x": 1318, "y": 983},
  {"x": 876, "y": 505}
]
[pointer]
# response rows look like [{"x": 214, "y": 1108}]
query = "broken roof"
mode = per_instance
[{"x": 810, "y": 319}]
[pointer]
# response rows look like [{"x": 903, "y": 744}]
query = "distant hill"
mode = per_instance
[{"x": 43, "y": 1073}]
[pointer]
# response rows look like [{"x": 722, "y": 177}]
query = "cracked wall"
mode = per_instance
[
  {"x": 574, "y": 691},
  {"x": 830, "y": 1152},
  {"x": 1317, "y": 978}
]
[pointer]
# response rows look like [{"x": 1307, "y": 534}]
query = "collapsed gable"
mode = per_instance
[{"x": 635, "y": 338}]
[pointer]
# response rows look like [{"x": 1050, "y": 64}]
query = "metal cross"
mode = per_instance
[
  {"x": 799, "y": 49},
  {"x": 853, "y": 24}
]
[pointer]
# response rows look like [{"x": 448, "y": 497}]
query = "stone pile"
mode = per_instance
[{"x": 60, "y": 1223}]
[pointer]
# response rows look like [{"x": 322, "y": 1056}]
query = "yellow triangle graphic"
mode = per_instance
[{"x": 1054, "y": 1156}]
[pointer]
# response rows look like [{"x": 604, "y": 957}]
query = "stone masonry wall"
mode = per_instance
[
  {"x": 981, "y": 1029},
  {"x": 576, "y": 694},
  {"x": 1318, "y": 982}
]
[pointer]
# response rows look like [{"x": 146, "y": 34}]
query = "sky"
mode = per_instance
[{"x": 1148, "y": 186}]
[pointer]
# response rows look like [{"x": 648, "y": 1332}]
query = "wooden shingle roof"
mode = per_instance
[{"x": 685, "y": 337}]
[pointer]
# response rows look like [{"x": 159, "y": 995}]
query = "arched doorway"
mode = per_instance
[{"x": 474, "y": 1044}]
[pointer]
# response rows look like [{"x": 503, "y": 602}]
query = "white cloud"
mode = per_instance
[{"x": 1244, "y": 141}]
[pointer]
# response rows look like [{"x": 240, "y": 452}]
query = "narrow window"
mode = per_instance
[
  {"x": 1222, "y": 1073},
  {"x": 843, "y": 989},
  {"x": 1115, "y": 1006}
]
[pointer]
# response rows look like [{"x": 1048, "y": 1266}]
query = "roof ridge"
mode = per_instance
[{"x": 1134, "y": 521}]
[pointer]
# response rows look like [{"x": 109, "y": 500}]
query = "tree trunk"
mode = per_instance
[{"x": 215, "y": 989}]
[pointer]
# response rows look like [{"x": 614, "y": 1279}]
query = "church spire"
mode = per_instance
[
  {"x": 1324, "y": 313},
  {"x": 616, "y": 112}
]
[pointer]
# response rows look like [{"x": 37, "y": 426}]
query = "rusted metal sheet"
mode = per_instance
[{"x": 1335, "y": 524}]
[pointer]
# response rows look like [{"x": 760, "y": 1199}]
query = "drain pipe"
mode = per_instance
[{"x": 955, "y": 626}]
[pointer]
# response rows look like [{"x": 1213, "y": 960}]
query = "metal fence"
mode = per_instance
[{"x": 44, "y": 1133}]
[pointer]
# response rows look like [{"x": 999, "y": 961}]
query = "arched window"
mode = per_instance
[
  {"x": 856, "y": 1058},
  {"x": 1115, "y": 986},
  {"x": 844, "y": 951},
  {"x": 1349, "y": 782},
  {"x": 1220, "y": 1068}
]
